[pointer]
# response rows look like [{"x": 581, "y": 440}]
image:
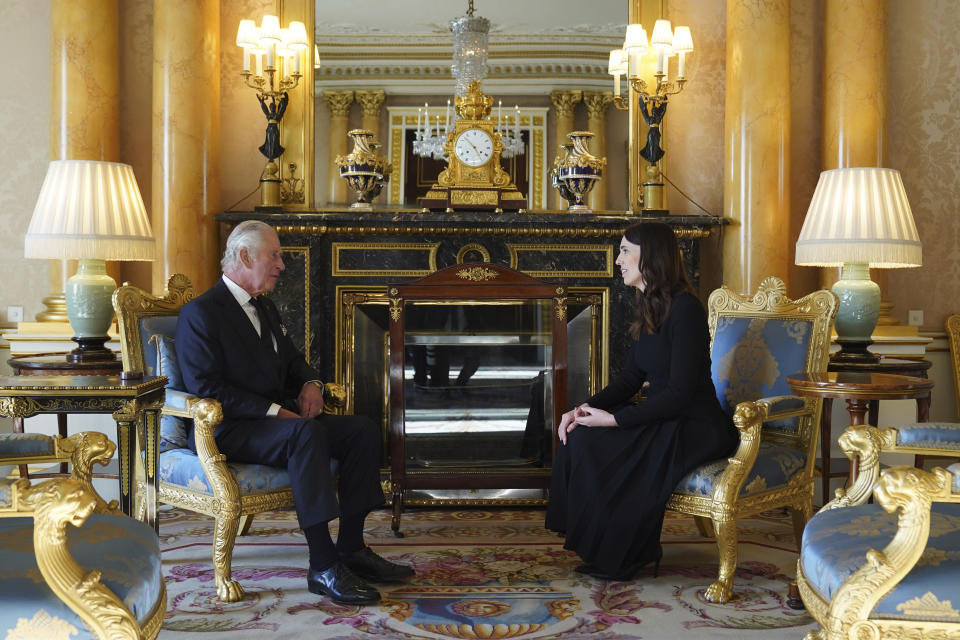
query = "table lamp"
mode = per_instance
[
  {"x": 89, "y": 211},
  {"x": 859, "y": 218}
]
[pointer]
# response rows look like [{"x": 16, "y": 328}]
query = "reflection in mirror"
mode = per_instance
[{"x": 478, "y": 384}]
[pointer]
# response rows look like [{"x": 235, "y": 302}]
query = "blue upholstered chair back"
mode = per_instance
[{"x": 752, "y": 356}]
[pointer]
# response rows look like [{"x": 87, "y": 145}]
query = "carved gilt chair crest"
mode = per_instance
[{"x": 756, "y": 342}]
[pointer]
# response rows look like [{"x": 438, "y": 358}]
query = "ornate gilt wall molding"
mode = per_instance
[{"x": 322, "y": 229}]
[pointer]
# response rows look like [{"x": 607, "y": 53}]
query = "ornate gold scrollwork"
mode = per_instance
[
  {"x": 395, "y": 307},
  {"x": 477, "y": 274},
  {"x": 18, "y": 407},
  {"x": 560, "y": 307}
]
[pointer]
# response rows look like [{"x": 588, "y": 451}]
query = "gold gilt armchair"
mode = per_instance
[
  {"x": 98, "y": 578},
  {"x": 205, "y": 481},
  {"x": 756, "y": 342},
  {"x": 890, "y": 569}
]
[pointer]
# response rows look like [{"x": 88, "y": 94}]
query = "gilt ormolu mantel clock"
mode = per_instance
[{"x": 474, "y": 178}]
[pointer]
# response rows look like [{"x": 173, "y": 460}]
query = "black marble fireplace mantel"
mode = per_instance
[{"x": 338, "y": 255}]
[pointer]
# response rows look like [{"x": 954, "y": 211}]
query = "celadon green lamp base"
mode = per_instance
[
  {"x": 857, "y": 313},
  {"x": 90, "y": 310}
]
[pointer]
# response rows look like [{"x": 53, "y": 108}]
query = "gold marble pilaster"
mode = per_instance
[
  {"x": 84, "y": 104},
  {"x": 339, "y": 103},
  {"x": 564, "y": 102},
  {"x": 756, "y": 194},
  {"x": 296, "y": 127},
  {"x": 597, "y": 103},
  {"x": 854, "y": 95},
  {"x": 186, "y": 139}
]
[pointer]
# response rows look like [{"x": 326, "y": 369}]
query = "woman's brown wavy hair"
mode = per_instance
[{"x": 661, "y": 266}]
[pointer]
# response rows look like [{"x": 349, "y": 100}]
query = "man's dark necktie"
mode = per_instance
[{"x": 266, "y": 330}]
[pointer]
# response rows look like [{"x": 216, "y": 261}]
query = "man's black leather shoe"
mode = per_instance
[
  {"x": 342, "y": 585},
  {"x": 369, "y": 566}
]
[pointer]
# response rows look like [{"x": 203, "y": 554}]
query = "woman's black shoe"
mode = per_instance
[{"x": 622, "y": 575}]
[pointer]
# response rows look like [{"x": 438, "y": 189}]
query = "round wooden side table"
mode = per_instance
[
  {"x": 56, "y": 364},
  {"x": 859, "y": 389}
]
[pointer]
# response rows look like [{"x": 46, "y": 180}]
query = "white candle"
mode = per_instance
[
  {"x": 635, "y": 63},
  {"x": 438, "y": 125},
  {"x": 296, "y": 62},
  {"x": 500, "y": 115},
  {"x": 516, "y": 122},
  {"x": 419, "y": 119},
  {"x": 246, "y": 59},
  {"x": 426, "y": 114},
  {"x": 448, "y": 116},
  {"x": 616, "y": 85},
  {"x": 270, "y": 54},
  {"x": 259, "y": 58},
  {"x": 680, "y": 64},
  {"x": 660, "y": 58}
]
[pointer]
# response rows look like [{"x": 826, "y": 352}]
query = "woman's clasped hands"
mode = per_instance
[{"x": 584, "y": 415}]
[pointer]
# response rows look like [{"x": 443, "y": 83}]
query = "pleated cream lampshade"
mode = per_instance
[
  {"x": 859, "y": 218},
  {"x": 89, "y": 211},
  {"x": 859, "y": 214}
]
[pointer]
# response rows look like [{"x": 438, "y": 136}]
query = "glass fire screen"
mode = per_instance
[{"x": 478, "y": 384}]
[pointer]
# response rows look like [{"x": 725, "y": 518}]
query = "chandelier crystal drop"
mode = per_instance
[{"x": 471, "y": 35}]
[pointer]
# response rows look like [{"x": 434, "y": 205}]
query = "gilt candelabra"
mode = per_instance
[
  {"x": 652, "y": 103},
  {"x": 277, "y": 54}
]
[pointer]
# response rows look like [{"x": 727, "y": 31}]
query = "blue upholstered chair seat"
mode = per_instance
[
  {"x": 835, "y": 543},
  {"x": 775, "y": 466},
  {"x": 13, "y": 445},
  {"x": 124, "y": 549},
  {"x": 5, "y": 498},
  {"x": 182, "y": 467},
  {"x": 934, "y": 435}
]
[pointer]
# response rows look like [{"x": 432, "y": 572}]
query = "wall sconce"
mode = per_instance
[
  {"x": 859, "y": 218},
  {"x": 277, "y": 54},
  {"x": 653, "y": 105},
  {"x": 90, "y": 211}
]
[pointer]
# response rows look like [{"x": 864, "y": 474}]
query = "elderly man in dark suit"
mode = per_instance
[{"x": 232, "y": 346}]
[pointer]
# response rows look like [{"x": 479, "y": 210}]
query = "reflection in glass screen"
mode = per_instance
[{"x": 477, "y": 384}]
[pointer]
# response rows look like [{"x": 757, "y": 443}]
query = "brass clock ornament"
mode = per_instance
[{"x": 473, "y": 178}]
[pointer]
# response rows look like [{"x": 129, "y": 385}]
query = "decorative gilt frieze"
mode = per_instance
[
  {"x": 477, "y": 274},
  {"x": 564, "y": 102},
  {"x": 579, "y": 232},
  {"x": 395, "y": 308},
  {"x": 370, "y": 102},
  {"x": 596, "y": 103},
  {"x": 339, "y": 102}
]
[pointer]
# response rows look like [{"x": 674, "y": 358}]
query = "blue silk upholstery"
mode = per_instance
[
  {"x": 149, "y": 327},
  {"x": 774, "y": 467},
  {"x": 752, "y": 357},
  {"x": 167, "y": 361},
  {"x": 835, "y": 544},
  {"x": 124, "y": 549},
  {"x": 25, "y": 444},
  {"x": 5, "y": 499},
  {"x": 934, "y": 435},
  {"x": 182, "y": 467}
]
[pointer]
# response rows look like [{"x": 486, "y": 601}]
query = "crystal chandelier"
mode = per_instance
[{"x": 471, "y": 35}]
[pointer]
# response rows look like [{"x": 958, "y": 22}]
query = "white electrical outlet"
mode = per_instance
[
  {"x": 915, "y": 317},
  {"x": 14, "y": 314}
]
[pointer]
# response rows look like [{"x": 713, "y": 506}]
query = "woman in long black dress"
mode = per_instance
[{"x": 619, "y": 462}]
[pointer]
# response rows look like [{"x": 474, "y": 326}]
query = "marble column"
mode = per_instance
[
  {"x": 337, "y": 142},
  {"x": 564, "y": 102},
  {"x": 756, "y": 193},
  {"x": 186, "y": 140},
  {"x": 84, "y": 104},
  {"x": 597, "y": 103},
  {"x": 855, "y": 95}
]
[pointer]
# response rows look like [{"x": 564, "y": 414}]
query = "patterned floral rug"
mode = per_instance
[{"x": 480, "y": 574}]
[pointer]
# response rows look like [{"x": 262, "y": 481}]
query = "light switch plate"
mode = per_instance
[
  {"x": 915, "y": 317},
  {"x": 14, "y": 314}
]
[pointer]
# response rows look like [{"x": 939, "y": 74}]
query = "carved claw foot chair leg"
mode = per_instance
[
  {"x": 720, "y": 591},
  {"x": 224, "y": 535}
]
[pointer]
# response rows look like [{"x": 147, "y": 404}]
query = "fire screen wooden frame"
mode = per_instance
[{"x": 468, "y": 283}]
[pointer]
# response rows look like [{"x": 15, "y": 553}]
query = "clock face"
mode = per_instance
[{"x": 474, "y": 147}]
